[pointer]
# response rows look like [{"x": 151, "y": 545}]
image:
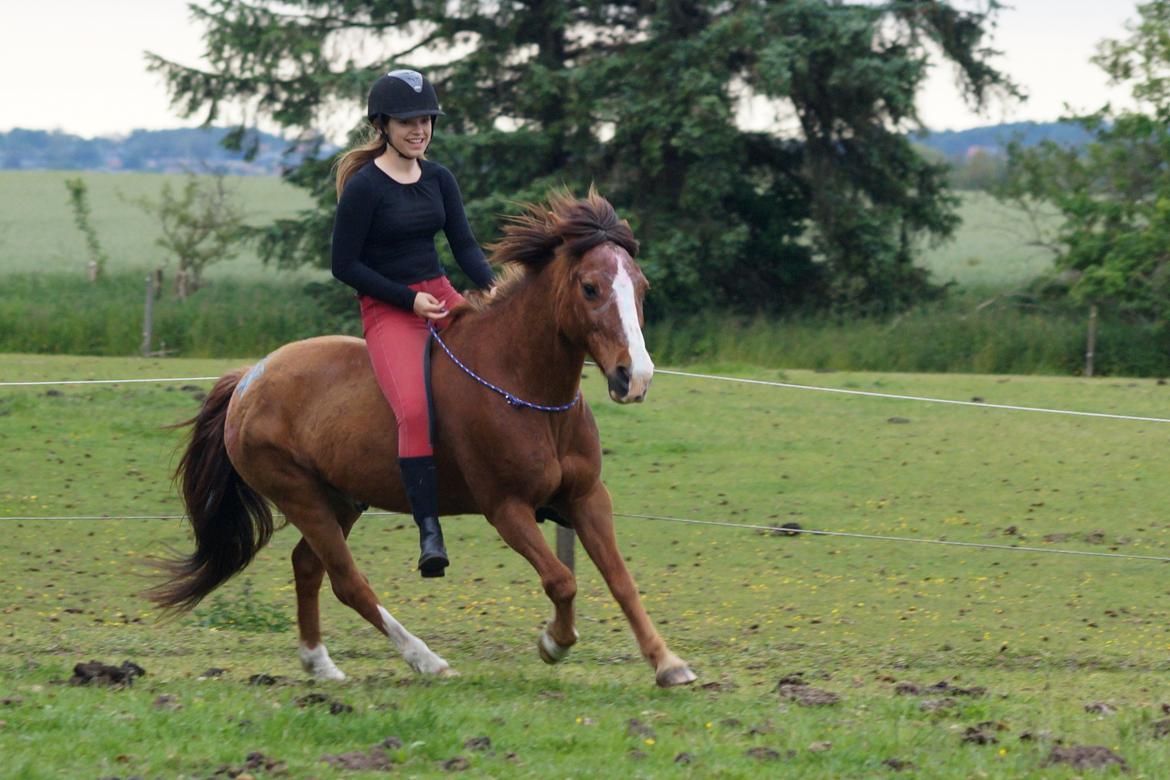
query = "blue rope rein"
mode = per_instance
[{"x": 513, "y": 401}]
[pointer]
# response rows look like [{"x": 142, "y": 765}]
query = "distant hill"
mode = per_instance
[
  {"x": 199, "y": 149},
  {"x": 993, "y": 139},
  {"x": 159, "y": 151}
]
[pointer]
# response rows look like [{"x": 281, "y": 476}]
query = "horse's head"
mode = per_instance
[
  {"x": 597, "y": 285},
  {"x": 601, "y": 307}
]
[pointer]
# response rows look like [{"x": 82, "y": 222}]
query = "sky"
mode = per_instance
[{"x": 77, "y": 65}]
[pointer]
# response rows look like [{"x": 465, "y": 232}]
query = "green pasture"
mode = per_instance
[
  {"x": 1045, "y": 635},
  {"x": 993, "y": 250},
  {"x": 990, "y": 250},
  {"x": 37, "y": 232}
]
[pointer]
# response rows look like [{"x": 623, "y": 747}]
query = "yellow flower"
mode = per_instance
[{"x": 649, "y": 740}]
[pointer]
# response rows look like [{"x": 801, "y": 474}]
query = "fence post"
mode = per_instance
[
  {"x": 566, "y": 546},
  {"x": 1091, "y": 345},
  {"x": 148, "y": 317}
]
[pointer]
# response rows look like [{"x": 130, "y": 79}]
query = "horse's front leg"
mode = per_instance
[
  {"x": 592, "y": 517},
  {"x": 516, "y": 524}
]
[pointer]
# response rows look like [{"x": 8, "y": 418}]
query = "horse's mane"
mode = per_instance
[{"x": 564, "y": 224}]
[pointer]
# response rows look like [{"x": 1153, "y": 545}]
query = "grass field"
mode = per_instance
[
  {"x": 37, "y": 233},
  {"x": 990, "y": 250},
  {"x": 1046, "y": 636}
]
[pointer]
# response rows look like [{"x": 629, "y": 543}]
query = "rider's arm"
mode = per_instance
[{"x": 463, "y": 244}]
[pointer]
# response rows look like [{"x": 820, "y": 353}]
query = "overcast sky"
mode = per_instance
[{"x": 77, "y": 65}]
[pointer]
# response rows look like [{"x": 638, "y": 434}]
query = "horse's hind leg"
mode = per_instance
[
  {"x": 309, "y": 572},
  {"x": 308, "y": 507},
  {"x": 592, "y": 517},
  {"x": 517, "y": 526}
]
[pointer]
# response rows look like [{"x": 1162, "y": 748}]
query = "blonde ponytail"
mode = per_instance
[{"x": 355, "y": 158}]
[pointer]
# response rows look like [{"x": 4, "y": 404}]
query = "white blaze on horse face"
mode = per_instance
[
  {"x": 641, "y": 366},
  {"x": 420, "y": 657}
]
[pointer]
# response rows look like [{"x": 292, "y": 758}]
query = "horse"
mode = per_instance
[{"x": 308, "y": 430}]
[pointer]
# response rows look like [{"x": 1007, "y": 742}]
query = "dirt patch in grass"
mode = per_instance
[
  {"x": 254, "y": 762},
  {"x": 795, "y": 689},
  {"x": 983, "y": 733},
  {"x": 941, "y": 687},
  {"x": 375, "y": 759},
  {"x": 358, "y": 760},
  {"x": 1084, "y": 757},
  {"x": 899, "y": 765},
  {"x": 97, "y": 673}
]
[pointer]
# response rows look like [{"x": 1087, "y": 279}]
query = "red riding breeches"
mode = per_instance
[{"x": 396, "y": 339}]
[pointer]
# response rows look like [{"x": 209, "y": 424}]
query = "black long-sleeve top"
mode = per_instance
[{"x": 384, "y": 233}]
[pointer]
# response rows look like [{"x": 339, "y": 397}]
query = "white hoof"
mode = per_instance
[
  {"x": 550, "y": 651},
  {"x": 422, "y": 660},
  {"x": 318, "y": 663}
]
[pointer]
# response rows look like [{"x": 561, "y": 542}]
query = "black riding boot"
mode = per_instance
[{"x": 422, "y": 488}]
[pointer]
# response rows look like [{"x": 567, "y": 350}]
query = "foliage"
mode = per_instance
[
  {"x": 641, "y": 98},
  {"x": 82, "y": 217},
  {"x": 201, "y": 225},
  {"x": 54, "y": 313},
  {"x": 1114, "y": 193},
  {"x": 981, "y": 170}
]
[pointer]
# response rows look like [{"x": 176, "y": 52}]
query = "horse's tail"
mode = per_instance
[{"x": 230, "y": 520}]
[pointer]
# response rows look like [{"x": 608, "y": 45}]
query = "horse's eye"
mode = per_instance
[{"x": 590, "y": 291}]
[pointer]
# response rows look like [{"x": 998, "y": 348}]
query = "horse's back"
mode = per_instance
[{"x": 314, "y": 407}]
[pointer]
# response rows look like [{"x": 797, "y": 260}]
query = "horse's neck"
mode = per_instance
[{"x": 517, "y": 339}]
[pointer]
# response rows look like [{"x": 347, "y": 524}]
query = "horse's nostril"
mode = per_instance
[{"x": 619, "y": 382}]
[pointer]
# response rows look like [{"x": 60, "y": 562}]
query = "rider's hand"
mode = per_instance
[{"x": 428, "y": 307}]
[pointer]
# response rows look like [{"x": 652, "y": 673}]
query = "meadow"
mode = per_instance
[
  {"x": 247, "y": 309},
  {"x": 1029, "y": 654}
]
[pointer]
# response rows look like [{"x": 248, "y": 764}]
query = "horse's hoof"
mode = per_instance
[
  {"x": 448, "y": 672},
  {"x": 550, "y": 651},
  {"x": 676, "y": 675},
  {"x": 318, "y": 663},
  {"x": 435, "y": 566},
  {"x": 333, "y": 674}
]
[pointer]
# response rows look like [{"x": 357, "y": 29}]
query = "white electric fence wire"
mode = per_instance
[
  {"x": 107, "y": 381},
  {"x": 844, "y": 391},
  {"x": 690, "y": 521},
  {"x": 716, "y": 377}
]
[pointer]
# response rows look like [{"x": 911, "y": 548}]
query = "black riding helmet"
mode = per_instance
[{"x": 403, "y": 94}]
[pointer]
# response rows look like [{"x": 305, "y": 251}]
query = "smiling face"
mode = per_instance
[
  {"x": 606, "y": 288},
  {"x": 410, "y": 136}
]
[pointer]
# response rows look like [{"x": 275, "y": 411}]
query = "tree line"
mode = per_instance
[
  {"x": 826, "y": 208},
  {"x": 157, "y": 151},
  {"x": 640, "y": 97}
]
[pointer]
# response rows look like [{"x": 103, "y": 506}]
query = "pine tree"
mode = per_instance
[{"x": 640, "y": 97}]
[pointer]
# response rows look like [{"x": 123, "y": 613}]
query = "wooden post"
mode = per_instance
[
  {"x": 148, "y": 318},
  {"x": 566, "y": 541},
  {"x": 1091, "y": 346}
]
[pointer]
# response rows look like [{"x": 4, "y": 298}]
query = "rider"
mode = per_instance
[{"x": 391, "y": 203}]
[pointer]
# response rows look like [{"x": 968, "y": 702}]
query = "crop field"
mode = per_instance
[
  {"x": 990, "y": 250},
  {"x": 37, "y": 233},
  {"x": 943, "y": 662}
]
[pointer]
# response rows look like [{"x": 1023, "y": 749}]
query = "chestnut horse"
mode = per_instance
[{"x": 308, "y": 429}]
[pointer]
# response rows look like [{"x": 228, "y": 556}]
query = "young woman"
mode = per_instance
[{"x": 391, "y": 203}]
